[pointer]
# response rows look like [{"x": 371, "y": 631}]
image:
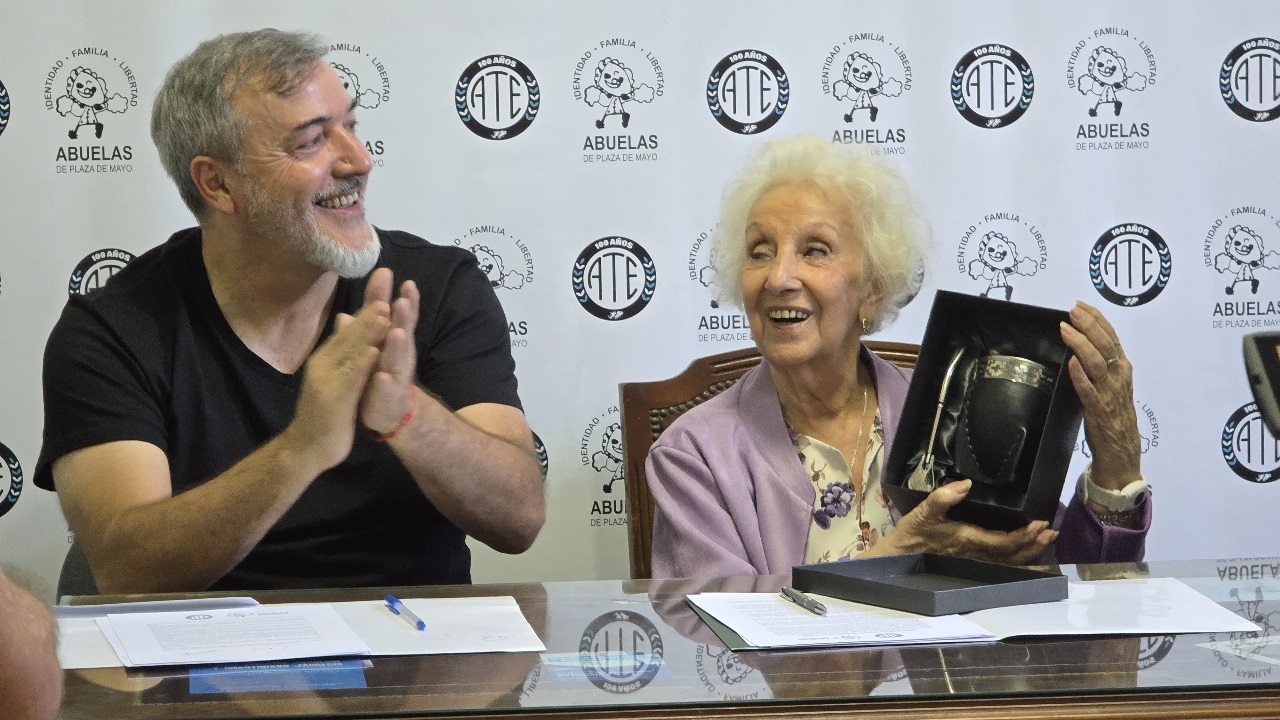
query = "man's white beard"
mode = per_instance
[
  {"x": 305, "y": 235},
  {"x": 348, "y": 262}
]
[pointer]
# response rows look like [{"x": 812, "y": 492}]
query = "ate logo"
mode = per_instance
[
  {"x": 1249, "y": 79},
  {"x": 748, "y": 92},
  {"x": 497, "y": 97},
  {"x": 614, "y": 278},
  {"x": 992, "y": 86},
  {"x": 1130, "y": 264},
  {"x": 1248, "y": 447}
]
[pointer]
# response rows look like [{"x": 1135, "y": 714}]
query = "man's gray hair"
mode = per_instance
[
  {"x": 193, "y": 114},
  {"x": 891, "y": 229}
]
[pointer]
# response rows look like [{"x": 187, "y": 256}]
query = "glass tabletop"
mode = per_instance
[{"x": 636, "y": 644}]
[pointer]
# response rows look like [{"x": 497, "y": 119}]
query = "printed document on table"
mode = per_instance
[
  {"x": 1155, "y": 606},
  {"x": 768, "y": 620},
  {"x": 256, "y": 634},
  {"x": 1150, "y": 606},
  {"x": 82, "y": 644},
  {"x": 454, "y": 625}
]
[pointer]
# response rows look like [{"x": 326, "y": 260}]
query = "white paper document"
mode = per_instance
[
  {"x": 82, "y": 644},
  {"x": 454, "y": 625},
  {"x": 766, "y": 620},
  {"x": 256, "y": 634},
  {"x": 166, "y": 633},
  {"x": 1156, "y": 606}
]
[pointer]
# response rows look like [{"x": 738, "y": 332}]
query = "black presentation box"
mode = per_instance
[
  {"x": 928, "y": 584},
  {"x": 1009, "y": 418}
]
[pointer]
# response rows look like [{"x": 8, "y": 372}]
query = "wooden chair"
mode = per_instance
[{"x": 648, "y": 408}]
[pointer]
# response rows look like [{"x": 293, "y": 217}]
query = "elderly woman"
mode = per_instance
[{"x": 818, "y": 244}]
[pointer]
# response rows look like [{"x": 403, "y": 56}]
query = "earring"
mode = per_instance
[{"x": 866, "y": 326}]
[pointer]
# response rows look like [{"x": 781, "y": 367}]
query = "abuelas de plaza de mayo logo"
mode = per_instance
[
  {"x": 1148, "y": 431},
  {"x": 716, "y": 324},
  {"x": 96, "y": 269},
  {"x": 866, "y": 75},
  {"x": 748, "y": 91},
  {"x": 1000, "y": 248},
  {"x": 1242, "y": 249},
  {"x": 1250, "y": 79},
  {"x": 508, "y": 264},
  {"x": 614, "y": 278},
  {"x": 87, "y": 90},
  {"x": 1112, "y": 70},
  {"x": 497, "y": 97},
  {"x": 600, "y": 451},
  {"x": 368, "y": 83},
  {"x": 11, "y": 486},
  {"x": 1248, "y": 447},
  {"x": 1244, "y": 653},
  {"x": 1130, "y": 264},
  {"x": 617, "y": 81},
  {"x": 992, "y": 86}
]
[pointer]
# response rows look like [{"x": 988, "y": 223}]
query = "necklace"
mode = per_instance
[{"x": 854, "y": 472}]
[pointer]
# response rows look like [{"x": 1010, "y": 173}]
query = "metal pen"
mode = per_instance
[
  {"x": 803, "y": 600},
  {"x": 398, "y": 608}
]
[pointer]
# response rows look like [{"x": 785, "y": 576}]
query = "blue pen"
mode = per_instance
[{"x": 397, "y": 607}]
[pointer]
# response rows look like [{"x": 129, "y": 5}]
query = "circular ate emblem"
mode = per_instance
[
  {"x": 1250, "y": 79},
  {"x": 748, "y": 92},
  {"x": 620, "y": 652},
  {"x": 1248, "y": 447},
  {"x": 1130, "y": 264},
  {"x": 497, "y": 97},
  {"x": 614, "y": 278},
  {"x": 96, "y": 269},
  {"x": 10, "y": 497},
  {"x": 992, "y": 86}
]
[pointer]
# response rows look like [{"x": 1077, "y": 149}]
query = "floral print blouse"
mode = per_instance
[{"x": 844, "y": 526}]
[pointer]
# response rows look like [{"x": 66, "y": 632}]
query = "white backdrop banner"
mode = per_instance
[{"x": 1122, "y": 153}]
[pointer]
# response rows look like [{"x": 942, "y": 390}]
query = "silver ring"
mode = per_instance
[
  {"x": 1015, "y": 369},
  {"x": 1112, "y": 361}
]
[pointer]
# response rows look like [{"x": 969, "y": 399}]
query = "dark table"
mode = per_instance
[{"x": 633, "y": 649}]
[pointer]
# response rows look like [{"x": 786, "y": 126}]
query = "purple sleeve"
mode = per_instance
[
  {"x": 694, "y": 534},
  {"x": 1085, "y": 539}
]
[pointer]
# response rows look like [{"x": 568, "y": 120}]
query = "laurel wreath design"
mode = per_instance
[
  {"x": 15, "y": 480},
  {"x": 957, "y": 85},
  {"x": 1028, "y": 86},
  {"x": 460, "y": 98},
  {"x": 579, "y": 287},
  {"x": 4, "y": 107},
  {"x": 1224, "y": 81},
  {"x": 76, "y": 278},
  {"x": 713, "y": 94},
  {"x": 784, "y": 93},
  {"x": 535, "y": 97}
]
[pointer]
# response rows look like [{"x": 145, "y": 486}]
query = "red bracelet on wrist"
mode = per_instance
[{"x": 404, "y": 421}]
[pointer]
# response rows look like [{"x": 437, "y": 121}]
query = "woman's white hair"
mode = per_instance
[{"x": 892, "y": 232}]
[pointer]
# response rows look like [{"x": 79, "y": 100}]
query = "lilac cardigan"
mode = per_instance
[{"x": 733, "y": 498}]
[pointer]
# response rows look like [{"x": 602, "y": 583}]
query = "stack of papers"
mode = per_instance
[
  {"x": 1158, "y": 606},
  {"x": 238, "y": 630}
]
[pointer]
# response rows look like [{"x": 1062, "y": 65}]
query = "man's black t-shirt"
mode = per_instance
[{"x": 150, "y": 357}]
